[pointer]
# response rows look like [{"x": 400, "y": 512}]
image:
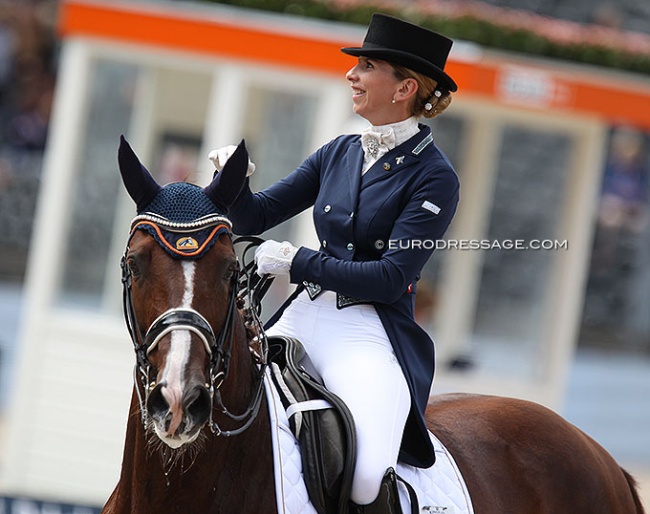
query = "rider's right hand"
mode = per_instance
[{"x": 221, "y": 155}]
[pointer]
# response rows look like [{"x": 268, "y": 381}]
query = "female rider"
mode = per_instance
[{"x": 380, "y": 200}]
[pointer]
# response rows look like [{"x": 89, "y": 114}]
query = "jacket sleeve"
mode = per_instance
[
  {"x": 411, "y": 243},
  {"x": 254, "y": 213}
]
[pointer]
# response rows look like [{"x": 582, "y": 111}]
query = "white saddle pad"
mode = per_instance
[{"x": 440, "y": 488}]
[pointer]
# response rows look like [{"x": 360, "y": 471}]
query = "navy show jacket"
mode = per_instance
[{"x": 377, "y": 231}]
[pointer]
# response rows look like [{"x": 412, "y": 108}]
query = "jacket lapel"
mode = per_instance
[{"x": 354, "y": 161}]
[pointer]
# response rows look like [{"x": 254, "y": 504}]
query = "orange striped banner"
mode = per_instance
[{"x": 605, "y": 95}]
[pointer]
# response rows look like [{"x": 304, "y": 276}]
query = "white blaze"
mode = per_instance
[{"x": 179, "y": 351}]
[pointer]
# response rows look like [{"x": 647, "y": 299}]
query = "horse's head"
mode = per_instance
[{"x": 180, "y": 278}]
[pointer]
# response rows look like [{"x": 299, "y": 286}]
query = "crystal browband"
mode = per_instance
[
  {"x": 183, "y": 240},
  {"x": 177, "y": 226}
]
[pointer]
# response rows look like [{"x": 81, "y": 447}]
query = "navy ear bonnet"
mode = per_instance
[
  {"x": 185, "y": 219},
  {"x": 182, "y": 202}
]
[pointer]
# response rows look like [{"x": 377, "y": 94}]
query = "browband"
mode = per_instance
[{"x": 183, "y": 240}]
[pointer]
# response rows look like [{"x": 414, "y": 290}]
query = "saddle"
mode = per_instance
[{"x": 321, "y": 423}]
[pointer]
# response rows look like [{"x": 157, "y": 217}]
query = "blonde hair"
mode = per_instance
[{"x": 429, "y": 101}]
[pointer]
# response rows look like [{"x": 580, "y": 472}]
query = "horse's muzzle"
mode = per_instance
[{"x": 178, "y": 418}]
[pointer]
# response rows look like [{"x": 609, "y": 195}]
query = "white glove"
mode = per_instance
[
  {"x": 221, "y": 155},
  {"x": 274, "y": 258}
]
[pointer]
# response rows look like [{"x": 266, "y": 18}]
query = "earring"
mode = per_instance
[{"x": 393, "y": 101}]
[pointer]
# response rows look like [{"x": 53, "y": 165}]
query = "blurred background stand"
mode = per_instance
[{"x": 547, "y": 150}]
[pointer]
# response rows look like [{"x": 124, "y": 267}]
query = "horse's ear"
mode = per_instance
[
  {"x": 139, "y": 183},
  {"x": 228, "y": 183}
]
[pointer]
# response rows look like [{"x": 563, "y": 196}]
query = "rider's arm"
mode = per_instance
[{"x": 411, "y": 242}]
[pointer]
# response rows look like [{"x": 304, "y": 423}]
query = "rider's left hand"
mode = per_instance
[{"x": 273, "y": 258}]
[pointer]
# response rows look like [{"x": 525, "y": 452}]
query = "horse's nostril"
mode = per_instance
[
  {"x": 197, "y": 404},
  {"x": 157, "y": 403}
]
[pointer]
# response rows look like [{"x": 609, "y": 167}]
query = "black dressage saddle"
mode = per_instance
[{"x": 321, "y": 423}]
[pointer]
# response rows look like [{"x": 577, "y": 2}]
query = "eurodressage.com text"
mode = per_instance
[{"x": 474, "y": 244}]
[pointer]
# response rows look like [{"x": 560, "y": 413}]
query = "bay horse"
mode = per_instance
[{"x": 198, "y": 432}]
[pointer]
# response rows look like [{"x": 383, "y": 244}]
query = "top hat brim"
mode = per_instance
[{"x": 413, "y": 62}]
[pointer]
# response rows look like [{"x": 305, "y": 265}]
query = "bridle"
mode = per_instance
[{"x": 245, "y": 291}]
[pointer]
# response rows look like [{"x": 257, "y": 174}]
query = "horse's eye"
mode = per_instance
[
  {"x": 230, "y": 273},
  {"x": 133, "y": 268}
]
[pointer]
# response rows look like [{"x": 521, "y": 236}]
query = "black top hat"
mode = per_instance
[{"x": 400, "y": 42}]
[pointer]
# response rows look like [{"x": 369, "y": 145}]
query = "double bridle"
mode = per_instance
[{"x": 245, "y": 292}]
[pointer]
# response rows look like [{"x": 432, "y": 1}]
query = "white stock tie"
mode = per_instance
[{"x": 376, "y": 144}]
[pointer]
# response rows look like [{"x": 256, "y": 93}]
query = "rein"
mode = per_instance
[{"x": 245, "y": 293}]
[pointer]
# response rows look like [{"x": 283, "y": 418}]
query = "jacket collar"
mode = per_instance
[{"x": 398, "y": 158}]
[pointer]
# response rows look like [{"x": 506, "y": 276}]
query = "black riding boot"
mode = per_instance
[{"x": 387, "y": 501}]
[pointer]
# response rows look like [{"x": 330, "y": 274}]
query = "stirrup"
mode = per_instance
[{"x": 387, "y": 501}]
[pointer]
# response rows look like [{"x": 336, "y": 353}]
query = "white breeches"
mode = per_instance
[{"x": 350, "y": 349}]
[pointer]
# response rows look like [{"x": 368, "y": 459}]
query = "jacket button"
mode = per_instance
[
  {"x": 352, "y": 215},
  {"x": 327, "y": 208},
  {"x": 350, "y": 246},
  {"x": 324, "y": 243}
]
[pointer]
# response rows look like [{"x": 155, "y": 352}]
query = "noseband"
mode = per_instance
[{"x": 219, "y": 349}]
